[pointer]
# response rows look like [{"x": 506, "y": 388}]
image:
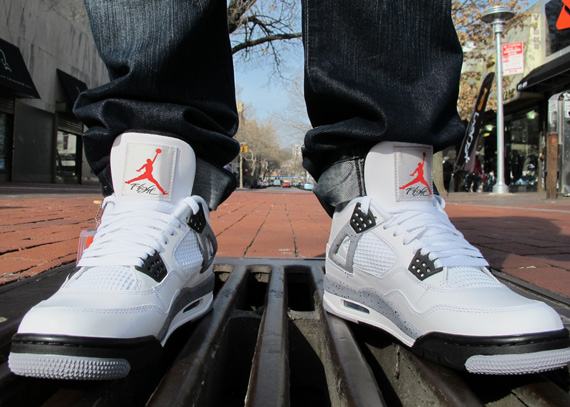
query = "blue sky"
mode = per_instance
[
  {"x": 255, "y": 90},
  {"x": 267, "y": 96},
  {"x": 258, "y": 89}
]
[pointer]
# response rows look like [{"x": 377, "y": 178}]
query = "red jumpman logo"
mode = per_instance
[
  {"x": 147, "y": 174},
  {"x": 420, "y": 178}
]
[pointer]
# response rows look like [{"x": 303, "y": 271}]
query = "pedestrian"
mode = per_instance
[{"x": 381, "y": 83}]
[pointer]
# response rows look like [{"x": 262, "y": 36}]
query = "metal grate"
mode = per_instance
[{"x": 268, "y": 342}]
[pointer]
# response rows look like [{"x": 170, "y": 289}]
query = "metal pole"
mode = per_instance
[
  {"x": 240, "y": 168},
  {"x": 497, "y": 16},
  {"x": 500, "y": 187}
]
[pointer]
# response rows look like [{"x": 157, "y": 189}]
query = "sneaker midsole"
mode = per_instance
[
  {"x": 364, "y": 305},
  {"x": 452, "y": 350}
]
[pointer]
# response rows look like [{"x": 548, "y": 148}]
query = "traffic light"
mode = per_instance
[{"x": 244, "y": 149}]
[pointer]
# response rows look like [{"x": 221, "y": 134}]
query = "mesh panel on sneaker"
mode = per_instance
[
  {"x": 470, "y": 277},
  {"x": 105, "y": 279},
  {"x": 188, "y": 254},
  {"x": 373, "y": 255}
]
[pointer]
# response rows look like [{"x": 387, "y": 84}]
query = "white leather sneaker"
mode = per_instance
[
  {"x": 395, "y": 261},
  {"x": 147, "y": 272}
]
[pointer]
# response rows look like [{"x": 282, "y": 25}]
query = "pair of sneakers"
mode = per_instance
[{"x": 394, "y": 261}]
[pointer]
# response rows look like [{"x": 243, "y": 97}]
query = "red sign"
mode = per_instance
[{"x": 513, "y": 58}]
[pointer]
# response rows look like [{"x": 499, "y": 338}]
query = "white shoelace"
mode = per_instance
[
  {"x": 429, "y": 229},
  {"x": 128, "y": 234}
]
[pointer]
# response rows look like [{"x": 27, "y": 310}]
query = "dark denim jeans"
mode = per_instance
[
  {"x": 171, "y": 73},
  {"x": 382, "y": 70}
]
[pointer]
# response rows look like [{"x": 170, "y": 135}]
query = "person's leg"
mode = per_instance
[
  {"x": 159, "y": 135},
  {"x": 381, "y": 88},
  {"x": 376, "y": 71},
  {"x": 171, "y": 73}
]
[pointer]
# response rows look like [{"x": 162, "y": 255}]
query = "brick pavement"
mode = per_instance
[
  {"x": 288, "y": 223},
  {"x": 39, "y": 232},
  {"x": 521, "y": 234}
]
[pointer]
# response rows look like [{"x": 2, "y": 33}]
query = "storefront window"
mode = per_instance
[
  {"x": 522, "y": 139},
  {"x": 66, "y": 157},
  {"x": 5, "y": 142}
]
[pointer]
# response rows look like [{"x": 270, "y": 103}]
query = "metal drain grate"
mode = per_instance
[{"x": 268, "y": 342}]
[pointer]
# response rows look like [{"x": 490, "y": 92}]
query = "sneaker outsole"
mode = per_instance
[
  {"x": 68, "y": 367},
  {"x": 518, "y": 364},
  {"x": 80, "y": 358},
  {"x": 532, "y": 353},
  {"x": 88, "y": 358}
]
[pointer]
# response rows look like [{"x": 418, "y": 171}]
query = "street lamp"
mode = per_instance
[
  {"x": 497, "y": 16},
  {"x": 242, "y": 149}
]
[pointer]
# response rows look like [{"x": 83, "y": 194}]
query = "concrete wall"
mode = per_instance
[{"x": 51, "y": 35}]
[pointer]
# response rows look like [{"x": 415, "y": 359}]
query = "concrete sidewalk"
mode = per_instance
[{"x": 523, "y": 235}]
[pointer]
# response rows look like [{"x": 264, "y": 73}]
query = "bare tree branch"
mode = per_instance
[
  {"x": 263, "y": 29},
  {"x": 263, "y": 40},
  {"x": 236, "y": 11}
]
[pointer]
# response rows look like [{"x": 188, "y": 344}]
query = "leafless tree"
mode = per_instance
[
  {"x": 293, "y": 122},
  {"x": 262, "y": 28},
  {"x": 264, "y": 153},
  {"x": 477, "y": 37}
]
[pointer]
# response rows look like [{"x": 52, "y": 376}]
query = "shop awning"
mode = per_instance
[
  {"x": 14, "y": 74},
  {"x": 546, "y": 77},
  {"x": 72, "y": 86}
]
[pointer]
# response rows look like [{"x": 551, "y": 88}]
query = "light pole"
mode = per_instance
[
  {"x": 241, "y": 150},
  {"x": 497, "y": 16}
]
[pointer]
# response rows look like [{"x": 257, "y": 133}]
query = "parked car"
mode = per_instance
[
  {"x": 308, "y": 186},
  {"x": 286, "y": 184}
]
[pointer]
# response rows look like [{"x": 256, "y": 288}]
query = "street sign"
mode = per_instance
[{"x": 513, "y": 58}]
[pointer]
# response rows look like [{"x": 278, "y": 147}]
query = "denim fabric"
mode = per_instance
[
  {"x": 171, "y": 72},
  {"x": 375, "y": 70},
  {"x": 385, "y": 70}
]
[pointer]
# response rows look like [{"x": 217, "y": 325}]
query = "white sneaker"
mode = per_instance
[
  {"x": 147, "y": 272},
  {"x": 395, "y": 261}
]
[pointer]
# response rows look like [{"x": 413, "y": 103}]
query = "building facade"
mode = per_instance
[
  {"x": 543, "y": 75},
  {"x": 47, "y": 57}
]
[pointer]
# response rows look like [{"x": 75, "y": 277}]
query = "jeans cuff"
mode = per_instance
[
  {"x": 340, "y": 183},
  {"x": 212, "y": 183}
]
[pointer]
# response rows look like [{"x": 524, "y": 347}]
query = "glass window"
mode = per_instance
[
  {"x": 66, "y": 157},
  {"x": 5, "y": 142},
  {"x": 522, "y": 136}
]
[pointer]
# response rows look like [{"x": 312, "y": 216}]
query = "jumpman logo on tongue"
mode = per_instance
[
  {"x": 147, "y": 174},
  {"x": 420, "y": 178}
]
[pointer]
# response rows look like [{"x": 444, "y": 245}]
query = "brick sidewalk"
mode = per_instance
[{"x": 522, "y": 234}]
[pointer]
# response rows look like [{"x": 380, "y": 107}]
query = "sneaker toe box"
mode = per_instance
[
  {"x": 493, "y": 313},
  {"x": 96, "y": 318}
]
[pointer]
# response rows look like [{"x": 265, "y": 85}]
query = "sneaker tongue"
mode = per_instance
[
  {"x": 397, "y": 174},
  {"x": 153, "y": 168}
]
